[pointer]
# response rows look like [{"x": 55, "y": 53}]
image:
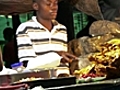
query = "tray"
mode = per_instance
[
  {"x": 48, "y": 79},
  {"x": 8, "y": 79},
  {"x": 51, "y": 82},
  {"x": 90, "y": 79},
  {"x": 14, "y": 87},
  {"x": 111, "y": 84}
]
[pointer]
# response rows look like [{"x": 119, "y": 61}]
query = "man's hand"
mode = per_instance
[{"x": 67, "y": 57}]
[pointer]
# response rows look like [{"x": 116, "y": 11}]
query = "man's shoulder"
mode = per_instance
[
  {"x": 29, "y": 22},
  {"x": 25, "y": 25},
  {"x": 59, "y": 25}
]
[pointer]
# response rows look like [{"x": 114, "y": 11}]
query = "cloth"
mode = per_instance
[
  {"x": 53, "y": 60},
  {"x": 34, "y": 40},
  {"x": 7, "y": 71}
]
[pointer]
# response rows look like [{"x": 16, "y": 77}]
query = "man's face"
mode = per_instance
[{"x": 47, "y": 9}]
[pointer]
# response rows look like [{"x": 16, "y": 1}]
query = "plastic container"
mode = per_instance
[{"x": 18, "y": 67}]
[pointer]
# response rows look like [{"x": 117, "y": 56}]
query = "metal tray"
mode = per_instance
[
  {"x": 111, "y": 84},
  {"x": 16, "y": 77},
  {"x": 50, "y": 82},
  {"x": 48, "y": 75}
]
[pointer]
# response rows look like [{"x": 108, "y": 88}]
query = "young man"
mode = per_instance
[{"x": 43, "y": 34}]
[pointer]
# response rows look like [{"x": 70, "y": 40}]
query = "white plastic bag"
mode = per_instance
[{"x": 49, "y": 60}]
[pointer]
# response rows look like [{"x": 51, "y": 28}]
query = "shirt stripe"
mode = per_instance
[{"x": 33, "y": 39}]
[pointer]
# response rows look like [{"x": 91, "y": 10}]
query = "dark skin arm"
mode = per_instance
[
  {"x": 67, "y": 57},
  {"x": 1, "y": 62}
]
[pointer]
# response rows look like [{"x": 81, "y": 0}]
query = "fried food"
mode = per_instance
[{"x": 85, "y": 70}]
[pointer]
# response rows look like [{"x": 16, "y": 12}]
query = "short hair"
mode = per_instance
[
  {"x": 34, "y": 0},
  {"x": 8, "y": 33}
]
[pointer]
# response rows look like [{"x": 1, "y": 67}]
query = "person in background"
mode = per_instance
[
  {"x": 9, "y": 52},
  {"x": 110, "y": 10},
  {"x": 3, "y": 69},
  {"x": 43, "y": 34}
]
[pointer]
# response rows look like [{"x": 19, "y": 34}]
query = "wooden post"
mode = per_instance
[
  {"x": 16, "y": 21},
  {"x": 1, "y": 61},
  {"x": 65, "y": 17}
]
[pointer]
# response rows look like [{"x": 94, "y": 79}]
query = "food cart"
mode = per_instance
[{"x": 14, "y": 7}]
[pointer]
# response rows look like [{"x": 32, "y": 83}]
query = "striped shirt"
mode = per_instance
[{"x": 33, "y": 39}]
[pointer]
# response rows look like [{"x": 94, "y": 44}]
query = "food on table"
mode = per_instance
[
  {"x": 89, "y": 77},
  {"x": 85, "y": 70},
  {"x": 108, "y": 59},
  {"x": 92, "y": 75},
  {"x": 106, "y": 62},
  {"x": 63, "y": 75},
  {"x": 29, "y": 79}
]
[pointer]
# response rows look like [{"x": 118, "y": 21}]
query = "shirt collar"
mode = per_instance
[{"x": 40, "y": 25}]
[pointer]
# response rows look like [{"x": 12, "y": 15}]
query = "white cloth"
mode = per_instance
[
  {"x": 38, "y": 88},
  {"x": 7, "y": 71},
  {"x": 48, "y": 60}
]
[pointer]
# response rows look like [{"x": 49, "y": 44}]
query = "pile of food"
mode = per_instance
[
  {"x": 28, "y": 79},
  {"x": 106, "y": 62}
]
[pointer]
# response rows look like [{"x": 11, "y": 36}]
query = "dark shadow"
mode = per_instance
[
  {"x": 10, "y": 48},
  {"x": 65, "y": 17},
  {"x": 85, "y": 31}
]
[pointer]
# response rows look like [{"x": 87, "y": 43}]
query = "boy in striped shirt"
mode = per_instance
[{"x": 43, "y": 36}]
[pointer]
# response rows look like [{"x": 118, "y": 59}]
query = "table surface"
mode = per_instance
[{"x": 111, "y": 84}]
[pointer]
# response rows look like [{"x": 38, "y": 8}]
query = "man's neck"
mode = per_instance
[{"x": 46, "y": 23}]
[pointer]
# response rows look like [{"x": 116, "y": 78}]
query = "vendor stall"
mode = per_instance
[{"x": 100, "y": 70}]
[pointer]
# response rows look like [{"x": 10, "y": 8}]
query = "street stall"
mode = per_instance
[{"x": 98, "y": 65}]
